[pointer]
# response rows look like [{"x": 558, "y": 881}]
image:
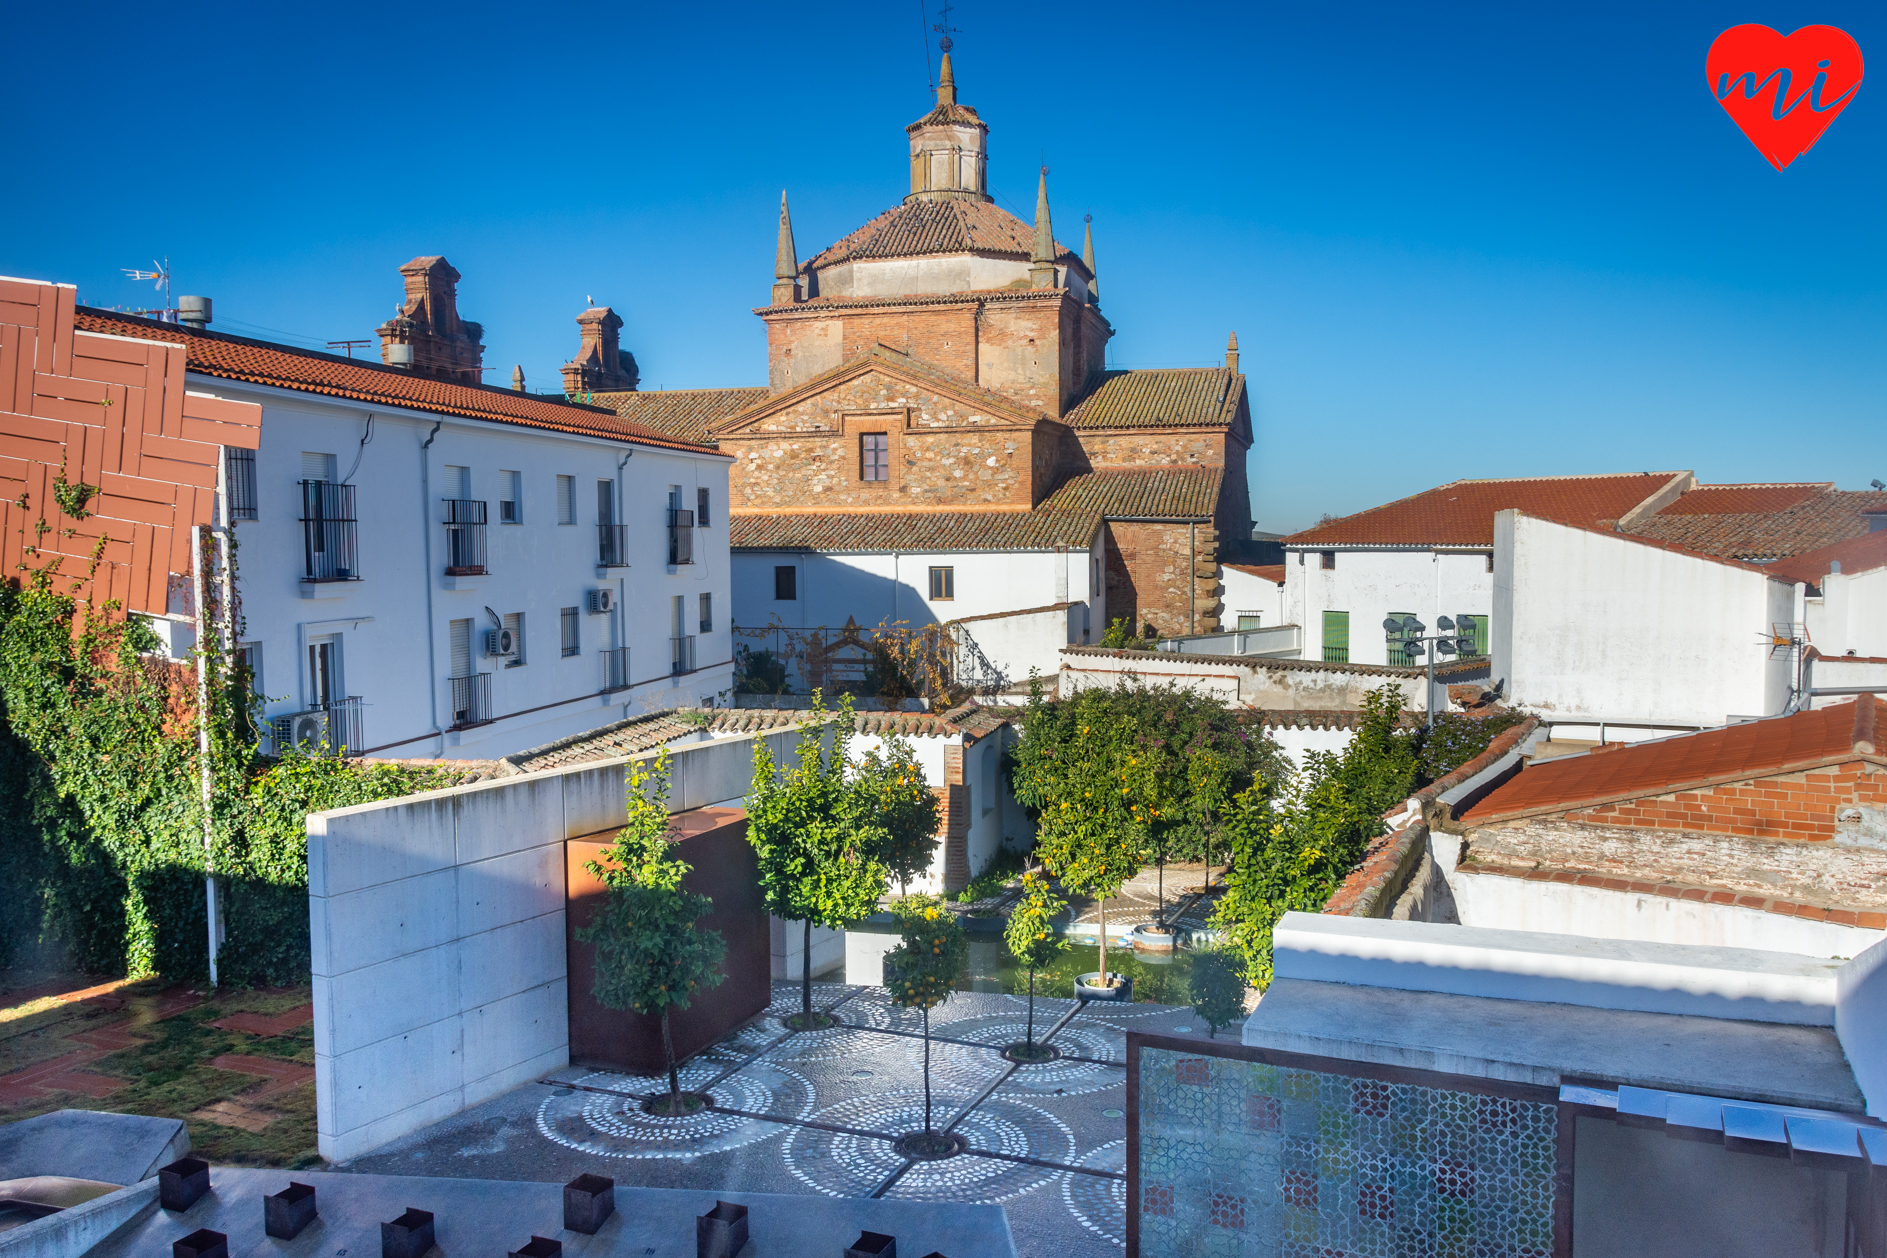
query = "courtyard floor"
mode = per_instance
[{"x": 819, "y": 1112}]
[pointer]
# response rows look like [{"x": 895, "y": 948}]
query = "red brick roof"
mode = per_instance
[
  {"x": 1263, "y": 571},
  {"x": 310, "y": 371},
  {"x": 1743, "y": 499},
  {"x": 685, "y": 414},
  {"x": 1788, "y": 744},
  {"x": 1762, "y": 536},
  {"x": 919, "y": 228},
  {"x": 1067, "y": 517},
  {"x": 1857, "y": 554},
  {"x": 1461, "y": 513},
  {"x": 1167, "y": 397}
]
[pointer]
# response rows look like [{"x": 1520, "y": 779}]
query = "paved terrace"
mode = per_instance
[{"x": 819, "y": 1113}]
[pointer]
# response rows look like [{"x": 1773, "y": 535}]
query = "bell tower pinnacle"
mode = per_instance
[{"x": 949, "y": 146}]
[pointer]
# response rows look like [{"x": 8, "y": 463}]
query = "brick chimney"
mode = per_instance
[
  {"x": 600, "y": 365},
  {"x": 427, "y": 336}
]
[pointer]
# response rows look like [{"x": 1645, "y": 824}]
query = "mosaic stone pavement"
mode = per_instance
[{"x": 818, "y": 1112}]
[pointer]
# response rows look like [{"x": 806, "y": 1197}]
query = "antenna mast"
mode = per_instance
[{"x": 161, "y": 273}]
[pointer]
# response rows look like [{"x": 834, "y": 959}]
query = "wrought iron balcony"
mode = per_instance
[
  {"x": 612, "y": 545},
  {"x": 465, "y": 537},
  {"x": 615, "y": 669},
  {"x": 328, "y": 532},
  {"x": 681, "y": 536},
  {"x": 471, "y": 700},
  {"x": 681, "y": 655}
]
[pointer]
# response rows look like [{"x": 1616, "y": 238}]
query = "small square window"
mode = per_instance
[
  {"x": 1248, "y": 620},
  {"x": 785, "y": 583},
  {"x": 943, "y": 583},
  {"x": 874, "y": 456},
  {"x": 1327, "y": 559}
]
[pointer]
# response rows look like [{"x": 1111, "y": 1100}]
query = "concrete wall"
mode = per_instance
[
  {"x": 1370, "y": 584},
  {"x": 1861, "y": 1023},
  {"x": 437, "y": 923},
  {"x": 393, "y": 626},
  {"x": 1601, "y": 625},
  {"x": 1851, "y": 614},
  {"x": 1504, "y": 903}
]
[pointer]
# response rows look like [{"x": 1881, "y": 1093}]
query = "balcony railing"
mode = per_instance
[
  {"x": 471, "y": 700},
  {"x": 328, "y": 532},
  {"x": 615, "y": 669},
  {"x": 465, "y": 537},
  {"x": 681, "y": 655},
  {"x": 612, "y": 545},
  {"x": 336, "y": 731},
  {"x": 681, "y": 536}
]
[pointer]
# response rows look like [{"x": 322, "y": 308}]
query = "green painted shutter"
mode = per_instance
[
  {"x": 1398, "y": 656},
  {"x": 1336, "y": 637}
]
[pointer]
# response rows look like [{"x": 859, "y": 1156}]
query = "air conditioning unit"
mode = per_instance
[
  {"x": 303, "y": 733},
  {"x": 502, "y": 643},
  {"x": 602, "y": 600}
]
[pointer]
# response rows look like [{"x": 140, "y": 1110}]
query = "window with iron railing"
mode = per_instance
[
  {"x": 681, "y": 536},
  {"x": 681, "y": 657},
  {"x": 464, "y": 519},
  {"x": 471, "y": 700},
  {"x": 239, "y": 482},
  {"x": 612, "y": 546},
  {"x": 328, "y": 532},
  {"x": 567, "y": 618},
  {"x": 615, "y": 669},
  {"x": 332, "y": 728},
  {"x": 1336, "y": 643}
]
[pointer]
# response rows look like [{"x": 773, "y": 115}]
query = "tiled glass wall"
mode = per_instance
[{"x": 1243, "y": 1159}]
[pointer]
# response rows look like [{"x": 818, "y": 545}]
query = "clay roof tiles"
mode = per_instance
[
  {"x": 310, "y": 371},
  {"x": 1814, "y": 521},
  {"x": 1067, "y": 517},
  {"x": 1856, "y": 554},
  {"x": 1263, "y": 571},
  {"x": 1742, "y": 499},
  {"x": 1736, "y": 753},
  {"x": 920, "y": 228},
  {"x": 1461, "y": 513},
  {"x": 685, "y": 414},
  {"x": 1167, "y": 397}
]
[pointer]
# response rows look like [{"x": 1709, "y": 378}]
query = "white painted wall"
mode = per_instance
[
  {"x": 393, "y": 625},
  {"x": 1370, "y": 584},
  {"x": 1861, "y": 1023},
  {"x": 997, "y": 653},
  {"x": 437, "y": 925},
  {"x": 888, "y": 587},
  {"x": 1245, "y": 593},
  {"x": 1504, "y": 903},
  {"x": 1842, "y": 670},
  {"x": 1295, "y": 742},
  {"x": 1245, "y": 682},
  {"x": 1850, "y": 617},
  {"x": 1602, "y": 625}
]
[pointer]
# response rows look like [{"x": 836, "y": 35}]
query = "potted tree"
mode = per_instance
[
  {"x": 919, "y": 974},
  {"x": 1033, "y": 942},
  {"x": 816, "y": 840},
  {"x": 650, "y": 955}
]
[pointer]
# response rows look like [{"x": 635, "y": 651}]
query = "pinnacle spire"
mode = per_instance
[
  {"x": 1087, "y": 258},
  {"x": 785, "y": 261},
  {"x": 946, "y": 82},
  {"x": 1231, "y": 353},
  {"x": 1042, "y": 256}
]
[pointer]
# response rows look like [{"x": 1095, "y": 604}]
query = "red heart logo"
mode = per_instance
[{"x": 1783, "y": 90}]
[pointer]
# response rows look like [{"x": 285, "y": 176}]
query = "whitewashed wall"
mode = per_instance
[
  {"x": 393, "y": 625},
  {"x": 1296, "y": 742},
  {"x": 1370, "y": 584},
  {"x": 1602, "y": 625},
  {"x": 1851, "y": 614},
  {"x": 997, "y": 653},
  {"x": 1249, "y": 681},
  {"x": 1245, "y": 593}
]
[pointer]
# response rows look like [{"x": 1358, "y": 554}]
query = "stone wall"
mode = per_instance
[{"x": 1166, "y": 573}]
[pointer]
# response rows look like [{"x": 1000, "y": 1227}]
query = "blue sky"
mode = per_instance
[{"x": 1454, "y": 241}]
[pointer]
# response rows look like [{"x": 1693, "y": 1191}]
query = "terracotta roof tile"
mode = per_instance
[
  {"x": 1263, "y": 571},
  {"x": 1757, "y": 749},
  {"x": 1856, "y": 554},
  {"x": 685, "y": 414},
  {"x": 919, "y": 228},
  {"x": 309, "y": 371},
  {"x": 1818, "y": 520},
  {"x": 1183, "y": 397},
  {"x": 1462, "y": 513},
  {"x": 1067, "y": 517},
  {"x": 1743, "y": 499}
]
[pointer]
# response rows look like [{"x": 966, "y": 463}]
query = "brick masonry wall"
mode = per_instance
[
  {"x": 1151, "y": 447},
  {"x": 1820, "y": 871},
  {"x": 1793, "y": 806},
  {"x": 114, "y": 414},
  {"x": 799, "y": 348},
  {"x": 1152, "y": 573},
  {"x": 943, "y": 453}
]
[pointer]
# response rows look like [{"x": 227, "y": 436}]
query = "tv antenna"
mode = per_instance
[
  {"x": 349, "y": 346},
  {"x": 944, "y": 28},
  {"x": 160, "y": 271}
]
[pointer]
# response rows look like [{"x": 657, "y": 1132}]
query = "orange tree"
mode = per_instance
[
  {"x": 920, "y": 974},
  {"x": 891, "y": 790},
  {"x": 650, "y": 956},
  {"x": 1032, "y": 940}
]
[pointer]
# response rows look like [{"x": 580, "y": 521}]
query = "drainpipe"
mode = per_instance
[{"x": 425, "y": 525}]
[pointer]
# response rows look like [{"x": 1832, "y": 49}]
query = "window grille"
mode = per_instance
[
  {"x": 465, "y": 537},
  {"x": 681, "y": 537},
  {"x": 328, "y": 532},
  {"x": 707, "y": 613},
  {"x": 1248, "y": 620},
  {"x": 701, "y": 508},
  {"x": 615, "y": 669},
  {"x": 1336, "y": 637},
  {"x": 568, "y": 617},
  {"x": 239, "y": 476}
]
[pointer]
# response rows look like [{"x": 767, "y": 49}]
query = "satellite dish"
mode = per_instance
[{"x": 1444, "y": 624}]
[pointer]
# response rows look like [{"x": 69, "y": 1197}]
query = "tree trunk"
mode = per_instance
[
  {"x": 805, "y": 975},
  {"x": 1103, "y": 941},
  {"x": 674, "y": 1080},
  {"x": 1031, "y": 1036},
  {"x": 927, "y": 1075},
  {"x": 1160, "y": 915}
]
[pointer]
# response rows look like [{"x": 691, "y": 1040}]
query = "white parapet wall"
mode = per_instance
[{"x": 437, "y": 925}]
